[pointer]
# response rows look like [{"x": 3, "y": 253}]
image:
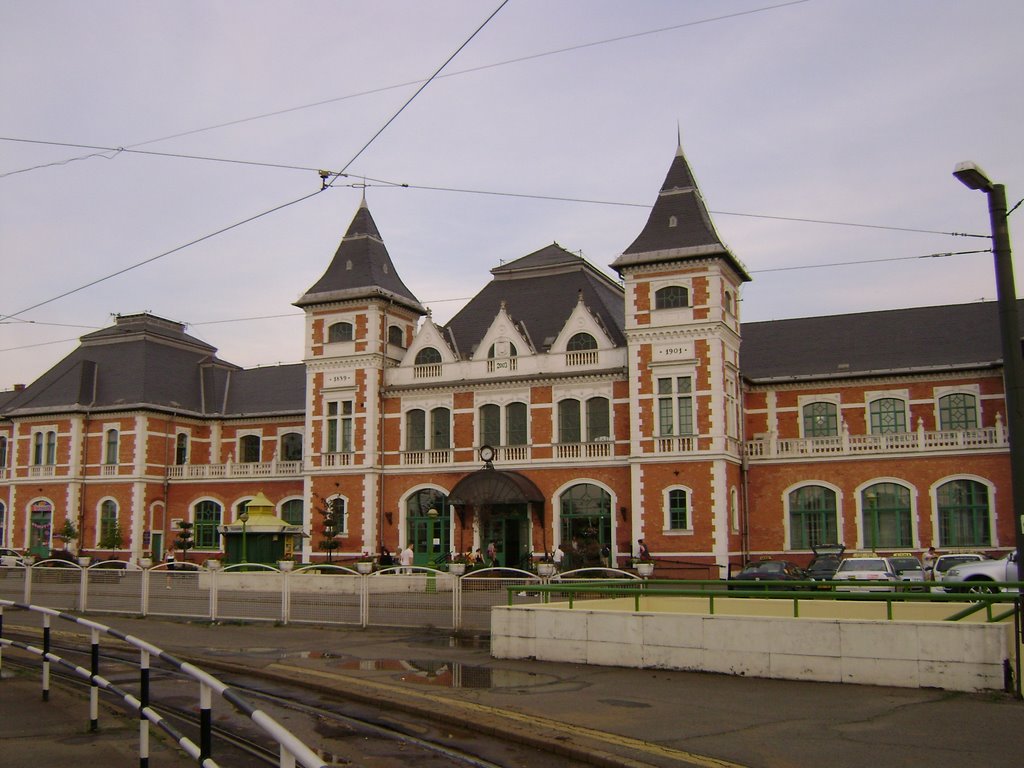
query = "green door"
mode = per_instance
[
  {"x": 509, "y": 528},
  {"x": 41, "y": 525},
  {"x": 429, "y": 534}
]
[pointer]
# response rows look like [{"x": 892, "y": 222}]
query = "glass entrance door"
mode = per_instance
[
  {"x": 509, "y": 528},
  {"x": 41, "y": 524}
]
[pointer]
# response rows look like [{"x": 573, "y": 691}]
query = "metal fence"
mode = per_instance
[{"x": 315, "y": 594}]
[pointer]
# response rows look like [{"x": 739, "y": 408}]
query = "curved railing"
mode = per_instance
[{"x": 292, "y": 750}]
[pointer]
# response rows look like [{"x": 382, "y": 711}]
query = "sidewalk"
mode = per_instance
[{"x": 659, "y": 717}]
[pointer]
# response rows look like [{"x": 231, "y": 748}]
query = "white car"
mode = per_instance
[
  {"x": 944, "y": 562},
  {"x": 979, "y": 577},
  {"x": 10, "y": 557},
  {"x": 866, "y": 569}
]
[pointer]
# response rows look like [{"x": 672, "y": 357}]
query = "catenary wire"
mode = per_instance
[{"x": 482, "y": 67}]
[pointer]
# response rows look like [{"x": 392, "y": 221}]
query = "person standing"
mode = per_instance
[
  {"x": 928, "y": 560},
  {"x": 643, "y": 553},
  {"x": 406, "y": 558},
  {"x": 559, "y": 556},
  {"x": 492, "y": 554}
]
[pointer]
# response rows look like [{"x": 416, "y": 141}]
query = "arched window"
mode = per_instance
[
  {"x": 395, "y": 336},
  {"x": 249, "y": 449},
  {"x": 181, "y": 449},
  {"x": 963, "y": 514},
  {"x": 207, "y": 519},
  {"x": 37, "y": 449},
  {"x": 428, "y": 356},
  {"x": 51, "y": 448},
  {"x": 678, "y": 512},
  {"x": 428, "y": 535},
  {"x": 291, "y": 446},
  {"x": 671, "y": 297},
  {"x": 598, "y": 419},
  {"x": 586, "y": 517},
  {"x": 292, "y": 512},
  {"x": 516, "y": 424},
  {"x": 505, "y": 349},
  {"x": 490, "y": 425},
  {"x": 569, "y": 421},
  {"x": 812, "y": 517},
  {"x": 110, "y": 531},
  {"x": 581, "y": 342},
  {"x": 340, "y": 332},
  {"x": 958, "y": 411},
  {"x": 886, "y": 516},
  {"x": 111, "y": 449},
  {"x": 888, "y": 416},
  {"x": 821, "y": 420},
  {"x": 3, "y": 455},
  {"x": 416, "y": 430},
  {"x": 440, "y": 429}
]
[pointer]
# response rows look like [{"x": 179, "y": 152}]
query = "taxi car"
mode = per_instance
[{"x": 866, "y": 569}]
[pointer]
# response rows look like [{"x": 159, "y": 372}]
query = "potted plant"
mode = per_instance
[
  {"x": 286, "y": 563},
  {"x": 457, "y": 564},
  {"x": 546, "y": 566},
  {"x": 68, "y": 533},
  {"x": 146, "y": 561},
  {"x": 365, "y": 563},
  {"x": 644, "y": 566}
]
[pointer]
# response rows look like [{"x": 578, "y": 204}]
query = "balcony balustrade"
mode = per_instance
[{"x": 234, "y": 470}]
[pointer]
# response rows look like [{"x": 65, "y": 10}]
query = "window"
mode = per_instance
[
  {"x": 886, "y": 516},
  {"x": 339, "y": 427},
  {"x": 110, "y": 450},
  {"x": 340, "y": 332},
  {"x": 37, "y": 448},
  {"x": 3, "y": 524},
  {"x": 569, "y": 421},
  {"x": 207, "y": 521},
  {"x": 339, "y": 515},
  {"x": 678, "y": 510},
  {"x": 729, "y": 302},
  {"x": 675, "y": 406},
  {"x": 586, "y": 517},
  {"x": 291, "y": 446},
  {"x": 581, "y": 342},
  {"x": 888, "y": 416},
  {"x": 958, "y": 411},
  {"x": 429, "y": 536},
  {"x": 44, "y": 448},
  {"x": 812, "y": 517},
  {"x": 395, "y": 336},
  {"x": 440, "y": 429},
  {"x": 963, "y": 514},
  {"x": 428, "y": 356},
  {"x": 416, "y": 430},
  {"x": 598, "y": 420},
  {"x": 51, "y": 448},
  {"x": 3, "y": 455},
  {"x": 821, "y": 420},
  {"x": 109, "y": 532},
  {"x": 181, "y": 449},
  {"x": 671, "y": 297},
  {"x": 502, "y": 349},
  {"x": 249, "y": 449},
  {"x": 515, "y": 424},
  {"x": 490, "y": 425},
  {"x": 292, "y": 512}
]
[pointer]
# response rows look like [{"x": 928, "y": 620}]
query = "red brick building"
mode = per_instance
[{"x": 559, "y": 406}]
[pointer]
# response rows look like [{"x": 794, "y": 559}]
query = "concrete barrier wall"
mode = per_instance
[{"x": 911, "y": 654}]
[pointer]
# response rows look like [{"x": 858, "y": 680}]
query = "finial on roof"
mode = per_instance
[
  {"x": 579, "y": 296},
  {"x": 679, "y": 139},
  {"x": 362, "y": 201},
  {"x": 502, "y": 305}
]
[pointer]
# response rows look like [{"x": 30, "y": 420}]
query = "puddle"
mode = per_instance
[
  {"x": 453, "y": 674},
  {"x": 625, "y": 703},
  {"x": 274, "y": 653},
  {"x": 457, "y": 641}
]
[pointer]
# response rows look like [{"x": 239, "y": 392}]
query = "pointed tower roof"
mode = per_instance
[
  {"x": 361, "y": 269},
  {"x": 679, "y": 226}
]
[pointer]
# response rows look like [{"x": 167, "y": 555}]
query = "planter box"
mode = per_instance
[
  {"x": 644, "y": 569},
  {"x": 364, "y": 567},
  {"x": 84, "y": 561},
  {"x": 546, "y": 569},
  {"x": 456, "y": 569},
  {"x": 285, "y": 565}
]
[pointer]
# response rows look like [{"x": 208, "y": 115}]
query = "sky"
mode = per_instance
[{"x": 555, "y": 122}]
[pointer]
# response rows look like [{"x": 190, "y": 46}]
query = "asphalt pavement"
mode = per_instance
[{"x": 639, "y": 717}]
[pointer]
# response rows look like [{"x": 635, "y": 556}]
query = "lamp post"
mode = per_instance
[
  {"x": 244, "y": 517},
  {"x": 432, "y": 515},
  {"x": 971, "y": 176}
]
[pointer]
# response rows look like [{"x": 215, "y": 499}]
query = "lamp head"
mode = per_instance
[{"x": 972, "y": 177}]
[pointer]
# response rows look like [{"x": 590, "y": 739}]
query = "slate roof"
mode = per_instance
[
  {"x": 901, "y": 340},
  {"x": 361, "y": 269},
  {"x": 540, "y": 291},
  {"x": 147, "y": 361},
  {"x": 679, "y": 226}
]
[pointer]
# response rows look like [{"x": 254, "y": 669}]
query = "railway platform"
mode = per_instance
[{"x": 633, "y": 716}]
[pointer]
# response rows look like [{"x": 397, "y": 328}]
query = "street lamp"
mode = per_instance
[
  {"x": 971, "y": 176},
  {"x": 244, "y": 517}
]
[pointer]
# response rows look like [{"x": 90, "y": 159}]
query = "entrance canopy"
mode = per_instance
[{"x": 489, "y": 486}]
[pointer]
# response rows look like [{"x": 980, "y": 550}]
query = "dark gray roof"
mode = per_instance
[
  {"x": 678, "y": 227},
  {"x": 146, "y": 361},
  {"x": 922, "y": 338},
  {"x": 540, "y": 291},
  {"x": 361, "y": 269}
]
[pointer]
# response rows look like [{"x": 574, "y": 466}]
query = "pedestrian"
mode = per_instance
[
  {"x": 386, "y": 558},
  {"x": 643, "y": 553},
  {"x": 406, "y": 558},
  {"x": 929, "y": 558},
  {"x": 169, "y": 559},
  {"x": 492, "y": 554},
  {"x": 559, "y": 556}
]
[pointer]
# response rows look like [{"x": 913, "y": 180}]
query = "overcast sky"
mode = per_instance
[{"x": 850, "y": 111}]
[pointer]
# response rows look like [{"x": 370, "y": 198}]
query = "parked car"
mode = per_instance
[
  {"x": 980, "y": 576},
  {"x": 944, "y": 562},
  {"x": 10, "y": 557},
  {"x": 825, "y": 561},
  {"x": 865, "y": 569},
  {"x": 769, "y": 570},
  {"x": 908, "y": 568}
]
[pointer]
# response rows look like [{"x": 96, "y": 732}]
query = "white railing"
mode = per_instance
[
  {"x": 676, "y": 444},
  {"x": 428, "y": 371},
  {"x": 772, "y": 447},
  {"x": 502, "y": 365},
  {"x": 513, "y": 453},
  {"x": 586, "y": 357},
  {"x": 601, "y": 449},
  {"x": 423, "y": 458},
  {"x": 44, "y": 470},
  {"x": 109, "y": 470},
  {"x": 231, "y": 469},
  {"x": 338, "y": 459}
]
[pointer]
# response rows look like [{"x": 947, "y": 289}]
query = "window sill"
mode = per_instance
[{"x": 677, "y": 532}]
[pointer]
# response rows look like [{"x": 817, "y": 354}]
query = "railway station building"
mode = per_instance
[{"x": 560, "y": 406}]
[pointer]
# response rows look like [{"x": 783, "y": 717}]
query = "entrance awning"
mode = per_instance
[{"x": 493, "y": 486}]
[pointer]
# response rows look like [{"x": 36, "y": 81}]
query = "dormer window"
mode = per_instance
[
  {"x": 671, "y": 297},
  {"x": 428, "y": 356},
  {"x": 340, "y": 332},
  {"x": 673, "y": 221},
  {"x": 502, "y": 349},
  {"x": 395, "y": 336},
  {"x": 581, "y": 342}
]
